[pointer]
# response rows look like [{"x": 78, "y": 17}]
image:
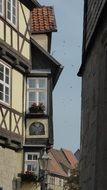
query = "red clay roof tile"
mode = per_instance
[
  {"x": 43, "y": 20},
  {"x": 70, "y": 157}
]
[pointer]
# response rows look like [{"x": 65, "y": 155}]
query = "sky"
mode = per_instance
[{"x": 67, "y": 50}]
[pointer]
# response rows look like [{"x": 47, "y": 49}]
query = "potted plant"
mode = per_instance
[{"x": 37, "y": 108}]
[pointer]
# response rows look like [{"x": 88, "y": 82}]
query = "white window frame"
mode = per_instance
[
  {"x": 37, "y": 90},
  {"x": 11, "y": 13},
  {"x": 5, "y": 84},
  {"x": 2, "y": 13},
  {"x": 31, "y": 162}
]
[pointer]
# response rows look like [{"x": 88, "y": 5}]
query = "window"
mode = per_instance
[
  {"x": 4, "y": 83},
  {"x": 52, "y": 180},
  {"x": 37, "y": 92},
  {"x": 60, "y": 182},
  {"x": 31, "y": 161},
  {"x": 12, "y": 11},
  {"x": 1, "y": 7}
]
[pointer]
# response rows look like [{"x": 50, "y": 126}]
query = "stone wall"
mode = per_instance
[{"x": 10, "y": 166}]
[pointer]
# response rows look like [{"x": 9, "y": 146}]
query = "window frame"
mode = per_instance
[
  {"x": 31, "y": 162},
  {"x": 2, "y": 13},
  {"x": 37, "y": 91},
  {"x": 5, "y": 84},
  {"x": 11, "y": 13}
]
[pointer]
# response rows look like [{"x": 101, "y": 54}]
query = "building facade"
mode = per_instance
[
  {"x": 93, "y": 71},
  {"x": 28, "y": 75}
]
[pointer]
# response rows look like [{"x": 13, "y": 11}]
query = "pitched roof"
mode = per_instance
[
  {"x": 77, "y": 154},
  {"x": 54, "y": 167},
  {"x": 70, "y": 157},
  {"x": 43, "y": 20},
  {"x": 62, "y": 161},
  {"x": 60, "y": 158}
]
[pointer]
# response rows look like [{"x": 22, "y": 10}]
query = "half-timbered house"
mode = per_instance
[{"x": 28, "y": 75}]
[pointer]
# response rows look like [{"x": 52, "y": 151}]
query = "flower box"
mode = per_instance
[
  {"x": 40, "y": 108},
  {"x": 28, "y": 176}
]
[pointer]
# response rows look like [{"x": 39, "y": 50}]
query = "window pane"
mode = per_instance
[
  {"x": 14, "y": 20},
  {"x": 1, "y": 68},
  {"x": 29, "y": 167},
  {"x": 9, "y": 10},
  {"x": 33, "y": 167},
  {"x": 9, "y": 15},
  {"x": 6, "y": 98},
  {"x": 7, "y": 71},
  {"x": 6, "y": 94},
  {"x": 34, "y": 157},
  {"x": 1, "y": 76},
  {"x": 42, "y": 97},
  {"x": 32, "y": 96},
  {"x": 9, "y": 6},
  {"x": 29, "y": 157},
  {"x": 32, "y": 83},
  {"x": 7, "y": 79},
  {"x": 1, "y": 6},
  {"x": 14, "y": 3},
  {"x": 42, "y": 83},
  {"x": 1, "y": 87},
  {"x": 1, "y": 96},
  {"x": 14, "y": 11},
  {"x": 6, "y": 90}
]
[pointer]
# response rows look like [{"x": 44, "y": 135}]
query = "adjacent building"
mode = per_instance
[
  {"x": 60, "y": 168},
  {"x": 28, "y": 75},
  {"x": 93, "y": 70}
]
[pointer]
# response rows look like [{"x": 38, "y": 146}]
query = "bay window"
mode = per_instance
[
  {"x": 37, "y": 93},
  {"x": 4, "y": 83},
  {"x": 1, "y": 7},
  {"x": 12, "y": 11}
]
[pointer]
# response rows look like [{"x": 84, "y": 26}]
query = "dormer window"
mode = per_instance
[
  {"x": 1, "y": 7},
  {"x": 37, "y": 95},
  {"x": 12, "y": 11}
]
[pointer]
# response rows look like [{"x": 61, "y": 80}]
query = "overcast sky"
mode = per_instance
[{"x": 67, "y": 48}]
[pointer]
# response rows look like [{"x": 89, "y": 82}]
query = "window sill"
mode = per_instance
[{"x": 34, "y": 115}]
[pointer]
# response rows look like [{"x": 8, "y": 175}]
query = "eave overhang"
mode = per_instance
[
  {"x": 30, "y": 4},
  {"x": 55, "y": 66},
  {"x": 13, "y": 58}
]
